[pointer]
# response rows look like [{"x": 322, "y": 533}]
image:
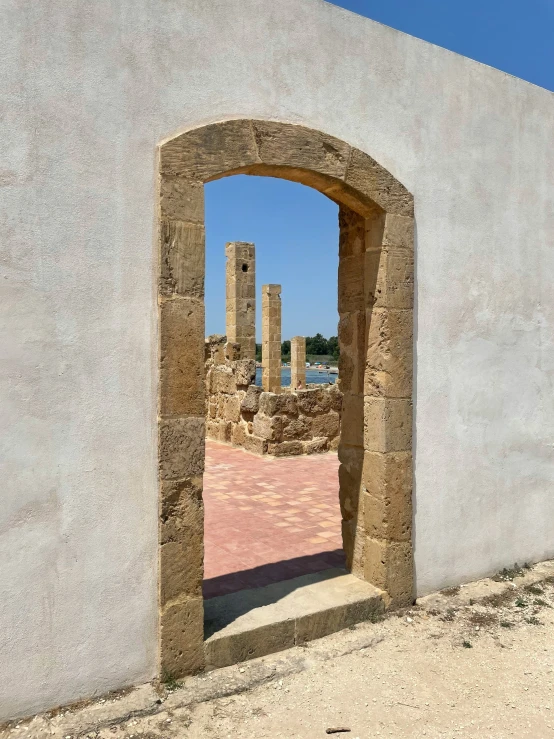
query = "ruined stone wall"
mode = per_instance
[{"x": 239, "y": 412}]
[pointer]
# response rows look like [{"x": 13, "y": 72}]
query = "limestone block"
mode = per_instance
[
  {"x": 326, "y": 425},
  {"x": 272, "y": 403},
  {"x": 387, "y": 424},
  {"x": 389, "y": 566},
  {"x": 239, "y": 433},
  {"x": 335, "y": 398},
  {"x": 214, "y": 349},
  {"x": 312, "y": 401},
  {"x": 369, "y": 178},
  {"x": 389, "y": 356},
  {"x": 206, "y": 152},
  {"x": 181, "y": 566},
  {"x": 388, "y": 518},
  {"x": 212, "y": 408},
  {"x": 350, "y": 480},
  {"x": 180, "y": 500},
  {"x": 295, "y": 146},
  {"x": 351, "y": 293},
  {"x": 182, "y": 637},
  {"x": 285, "y": 448},
  {"x": 353, "y": 541},
  {"x": 232, "y": 408},
  {"x": 182, "y": 387},
  {"x": 222, "y": 380},
  {"x": 182, "y": 259},
  {"x": 352, "y": 239},
  {"x": 255, "y": 444},
  {"x": 232, "y": 351},
  {"x": 334, "y": 444},
  {"x": 266, "y": 427},
  {"x": 351, "y": 332},
  {"x": 316, "y": 446},
  {"x": 388, "y": 475},
  {"x": 245, "y": 371},
  {"x": 225, "y": 430},
  {"x": 251, "y": 401},
  {"x": 398, "y": 232},
  {"x": 181, "y": 200},
  {"x": 181, "y": 447},
  {"x": 352, "y": 420},
  {"x": 212, "y": 430},
  {"x": 297, "y": 428}
]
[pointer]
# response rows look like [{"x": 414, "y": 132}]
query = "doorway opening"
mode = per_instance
[{"x": 375, "y": 302}]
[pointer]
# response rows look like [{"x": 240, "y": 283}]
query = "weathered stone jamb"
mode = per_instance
[
  {"x": 376, "y": 387},
  {"x": 271, "y": 338}
]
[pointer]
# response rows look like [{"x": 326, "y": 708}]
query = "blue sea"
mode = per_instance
[{"x": 312, "y": 376}]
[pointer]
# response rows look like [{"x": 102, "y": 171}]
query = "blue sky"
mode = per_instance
[{"x": 295, "y": 228}]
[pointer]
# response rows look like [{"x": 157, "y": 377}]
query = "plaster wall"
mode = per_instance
[{"x": 88, "y": 91}]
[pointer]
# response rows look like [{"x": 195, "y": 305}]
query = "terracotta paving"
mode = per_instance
[{"x": 268, "y": 519}]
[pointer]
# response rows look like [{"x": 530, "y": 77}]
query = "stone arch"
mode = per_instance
[{"x": 376, "y": 260}]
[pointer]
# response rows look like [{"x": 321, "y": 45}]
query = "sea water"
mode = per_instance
[{"x": 319, "y": 377}]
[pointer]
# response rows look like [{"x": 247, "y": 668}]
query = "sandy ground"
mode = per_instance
[{"x": 475, "y": 662}]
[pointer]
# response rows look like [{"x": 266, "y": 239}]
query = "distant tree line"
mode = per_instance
[{"x": 317, "y": 346}]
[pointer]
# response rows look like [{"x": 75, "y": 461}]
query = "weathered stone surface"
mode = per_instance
[
  {"x": 271, "y": 403},
  {"x": 351, "y": 332},
  {"x": 316, "y": 446},
  {"x": 182, "y": 259},
  {"x": 251, "y": 401},
  {"x": 267, "y": 427},
  {"x": 238, "y": 433},
  {"x": 182, "y": 638},
  {"x": 352, "y": 420},
  {"x": 313, "y": 401},
  {"x": 285, "y": 448},
  {"x": 388, "y": 518},
  {"x": 182, "y": 508},
  {"x": 368, "y": 177},
  {"x": 181, "y": 447},
  {"x": 350, "y": 480},
  {"x": 241, "y": 297},
  {"x": 222, "y": 380},
  {"x": 181, "y": 357},
  {"x": 255, "y": 444},
  {"x": 245, "y": 371},
  {"x": 389, "y": 566},
  {"x": 389, "y": 358},
  {"x": 232, "y": 351},
  {"x": 388, "y": 475},
  {"x": 207, "y": 152},
  {"x": 298, "y": 362},
  {"x": 352, "y": 233},
  {"x": 232, "y": 408},
  {"x": 289, "y": 145},
  {"x": 181, "y": 565},
  {"x": 389, "y": 278},
  {"x": 181, "y": 200},
  {"x": 214, "y": 349},
  {"x": 351, "y": 284},
  {"x": 297, "y": 428},
  {"x": 327, "y": 425},
  {"x": 387, "y": 424},
  {"x": 271, "y": 338}
]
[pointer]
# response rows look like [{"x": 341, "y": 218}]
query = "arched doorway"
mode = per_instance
[{"x": 376, "y": 341}]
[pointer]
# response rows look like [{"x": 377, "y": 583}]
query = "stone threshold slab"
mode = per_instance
[{"x": 252, "y": 623}]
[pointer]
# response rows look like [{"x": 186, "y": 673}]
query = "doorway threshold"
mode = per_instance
[{"x": 252, "y": 623}]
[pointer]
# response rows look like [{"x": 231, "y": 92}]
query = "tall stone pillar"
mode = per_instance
[
  {"x": 241, "y": 297},
  {"x": 271, "y": 338},
  {"x": 298, "y": 362}
]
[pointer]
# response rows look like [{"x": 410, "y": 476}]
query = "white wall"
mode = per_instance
[{"x": 91, "y": 88}]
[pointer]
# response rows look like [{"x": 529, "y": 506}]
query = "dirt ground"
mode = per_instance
[{"x": 471, "y": 662}]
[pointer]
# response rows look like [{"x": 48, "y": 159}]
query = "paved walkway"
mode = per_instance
[{"x": 268, "y": 519}]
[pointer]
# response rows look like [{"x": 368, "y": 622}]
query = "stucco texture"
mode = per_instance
[{"x": 89, "y": 90}]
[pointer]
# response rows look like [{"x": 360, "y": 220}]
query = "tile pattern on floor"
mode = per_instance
[{"x": 268, "y": 519}]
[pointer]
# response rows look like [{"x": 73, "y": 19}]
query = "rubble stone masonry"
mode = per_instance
[{"x": 282, "y": 424}]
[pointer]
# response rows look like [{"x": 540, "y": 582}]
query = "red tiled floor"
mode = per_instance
[{"x": 268, "y": 519}]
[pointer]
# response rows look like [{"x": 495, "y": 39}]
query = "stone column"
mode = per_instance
[
  {"x": 271, "y": 338},
  {"x": 241, "y": 297},
  {"x": 298, "y": 362}
]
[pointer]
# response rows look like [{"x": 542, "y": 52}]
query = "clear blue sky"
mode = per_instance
[{"x": 294, "y": 226}]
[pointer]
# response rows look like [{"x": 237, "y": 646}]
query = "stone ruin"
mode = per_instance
[{"x": 270, "y": 419}]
